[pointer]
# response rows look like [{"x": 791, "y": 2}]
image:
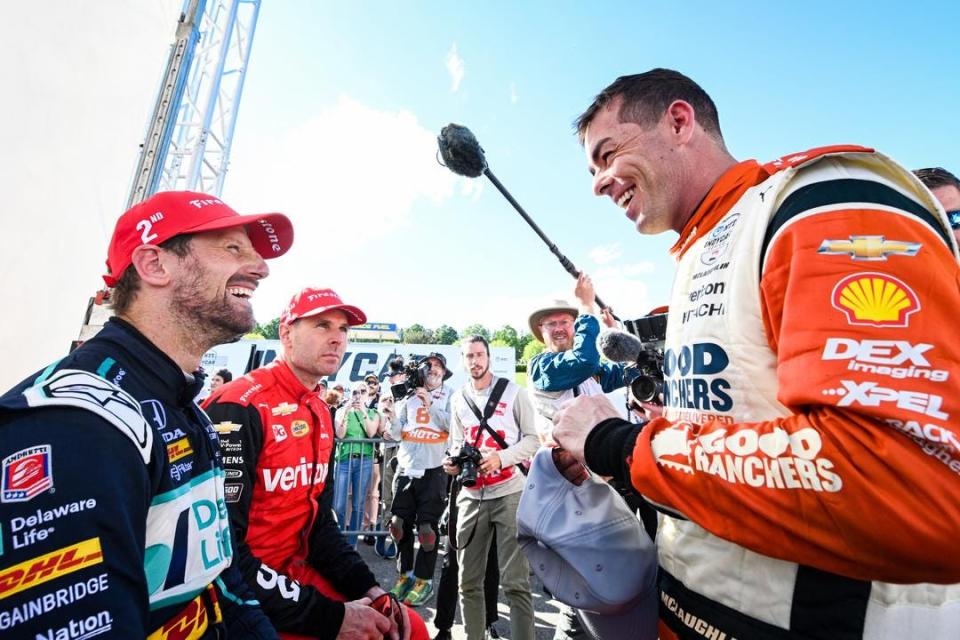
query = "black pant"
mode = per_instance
[
  {"x": 420, "y": 501},
  {"x": 448, "y": 590}
]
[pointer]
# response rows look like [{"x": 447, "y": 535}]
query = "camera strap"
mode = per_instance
[{"x": 495, "y": 394}]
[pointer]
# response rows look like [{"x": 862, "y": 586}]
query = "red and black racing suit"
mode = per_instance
[{"x": 277, "y": 440}]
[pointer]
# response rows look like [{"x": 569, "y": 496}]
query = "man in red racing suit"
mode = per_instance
[{"x": 277, "y": 438}]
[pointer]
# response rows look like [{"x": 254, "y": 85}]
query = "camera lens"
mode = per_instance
[{"x": 645, "y": 389}]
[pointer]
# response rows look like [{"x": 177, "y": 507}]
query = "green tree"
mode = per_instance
[
  {"x": 507, "y": 334},
  {"x": 270, "y": 330},
  {"x": 417, "y": 334},
  {"x": 476, "y": 329},
  {"x": 533, "y": 348},
  {"x": 522, "y": 342},
  {"x": 445, "y": 334}
]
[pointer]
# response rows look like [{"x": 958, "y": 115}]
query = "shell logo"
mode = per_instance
[{"x": 875, "y": 299}]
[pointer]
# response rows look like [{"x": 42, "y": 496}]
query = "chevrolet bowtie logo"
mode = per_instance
[{"x": 868, "y": 248}]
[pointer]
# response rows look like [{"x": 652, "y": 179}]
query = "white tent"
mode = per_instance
[{"x": 79, "y": 80}]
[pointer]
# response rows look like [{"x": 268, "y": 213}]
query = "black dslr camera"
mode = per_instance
[
  {"x": 415, "y": 372},
  {"x": 468, "y": 460},
  {"x": 652, "y": 332}
]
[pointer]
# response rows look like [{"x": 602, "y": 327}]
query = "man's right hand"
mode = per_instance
[
  {"x": 449, "y": 468},
  {"x": 362, "y": 622},
  {"x": 585, "y": 294},
  {"x": 425, "y": 397}
]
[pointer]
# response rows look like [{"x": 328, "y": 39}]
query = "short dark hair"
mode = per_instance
[
  {"x": 647, "y": 95},
  {"x": 225, "y": 375},
  {"x": 478, "y": 338},
  {"x": 125, "y": 291},
  {"x": 936, "y": 177}
]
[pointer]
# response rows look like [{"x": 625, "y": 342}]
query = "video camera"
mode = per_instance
[
  {"x": 650, "y": 333},
  {"x": 415, "y": 373},
  {"x": 468, "y": 459}
]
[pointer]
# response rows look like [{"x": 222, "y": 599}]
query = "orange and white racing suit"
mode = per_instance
[{"x": 809, "y": 456}]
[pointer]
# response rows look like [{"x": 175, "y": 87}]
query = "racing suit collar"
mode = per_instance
[
  {"x": 289, "y": 381},
  {"x": 175, "y": 387},
  {"x": 726, "y": 191}
]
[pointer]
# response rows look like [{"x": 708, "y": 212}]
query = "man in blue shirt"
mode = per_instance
[{"x": 569, "y": 367}]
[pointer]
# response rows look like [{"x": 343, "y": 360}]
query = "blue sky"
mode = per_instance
[
  {"x": 786, "y": 77},
  {"x": 339, "y": 118}
]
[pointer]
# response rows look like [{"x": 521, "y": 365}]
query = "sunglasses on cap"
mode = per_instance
[{"x": 954, "y": 218}]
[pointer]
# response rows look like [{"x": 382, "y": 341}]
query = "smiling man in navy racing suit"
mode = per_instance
[{"x": 112, "y": 505}]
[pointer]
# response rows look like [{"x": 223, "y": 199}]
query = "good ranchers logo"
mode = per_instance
[
  {"x": 875, "y": 299},
  {"x": 50, "y": 566}
]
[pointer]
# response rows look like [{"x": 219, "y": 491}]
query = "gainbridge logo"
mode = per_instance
[{"x": 875, "y": 299}]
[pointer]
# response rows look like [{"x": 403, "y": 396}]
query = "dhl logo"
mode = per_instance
[
  {"x": 424, "y": 435},
  {"x": 875, "y": 299},
  {"x": 868, "y": 248},
  {"x": 50, "y": 566},
  {"x": 178, "y": 449},
  {"x": 190, "y": 624}
]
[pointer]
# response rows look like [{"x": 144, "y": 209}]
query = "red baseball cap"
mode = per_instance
[
  {"x": 312, "y": 302},
  {"x": 170, "y": 213}
]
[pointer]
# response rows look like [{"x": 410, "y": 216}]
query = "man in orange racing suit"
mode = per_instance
[
  {"x": 277, "y": 438},
  {"x": 808, "y": 456}
]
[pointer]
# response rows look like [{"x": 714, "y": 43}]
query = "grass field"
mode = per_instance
[{"x": 521, "y": 378}]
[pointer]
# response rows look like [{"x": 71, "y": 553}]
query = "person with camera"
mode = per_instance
[
  {"x": 422, "y": 427},
  {"x": 492, "y": 434},
  {"x": 806, "y": 464},
  {"x": 355, "y": 460},
  {"x": 277, "y": 440},
  {"x": 570, "y": 366}
]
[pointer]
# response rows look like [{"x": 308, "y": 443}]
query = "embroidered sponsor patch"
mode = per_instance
[
  {"x": 875, "y": 299},
  {"x": 179, "y": 449},
  {"x": 232, "y": 492},
  {"x": 870, "y": 248},
  {"x": 299, "y": 428},
  {"x": 26, "y": 474},
  {"x": 227, "y": 427},
  {"x": 283, "y": 409},
  {"x": 50, "y": 566}
]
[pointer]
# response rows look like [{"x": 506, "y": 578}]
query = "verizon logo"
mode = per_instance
[{"x": 304, "y": 474}]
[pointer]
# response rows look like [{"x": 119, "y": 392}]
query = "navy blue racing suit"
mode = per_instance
[{"x": 112, "y": 512}]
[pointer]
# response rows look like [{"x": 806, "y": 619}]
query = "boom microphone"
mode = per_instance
[
  {"x": 619, "y": 346},
  {"x": 462, "y": 154}
]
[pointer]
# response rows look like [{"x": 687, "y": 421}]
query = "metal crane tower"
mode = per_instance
[{"x": 188, "y": 139}]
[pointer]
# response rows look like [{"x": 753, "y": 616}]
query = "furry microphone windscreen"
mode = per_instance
[{"x": 460, "y": 151}]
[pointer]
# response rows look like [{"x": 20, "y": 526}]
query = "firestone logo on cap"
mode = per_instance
[
  {"x": 324, "y": 295},
  {"x": 310, "y": 301},
  {"x": 169, "y": 213}
]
